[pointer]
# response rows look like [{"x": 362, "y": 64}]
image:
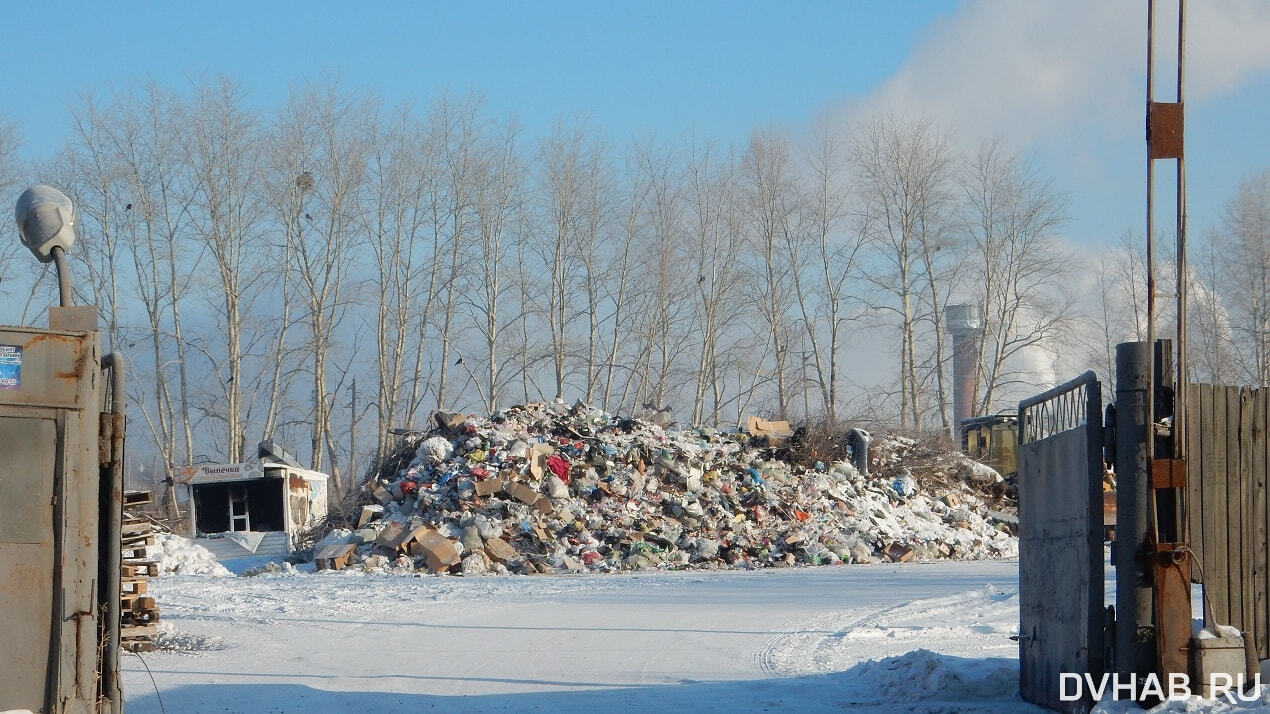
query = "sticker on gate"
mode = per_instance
[{"x": 10, "y": 366}]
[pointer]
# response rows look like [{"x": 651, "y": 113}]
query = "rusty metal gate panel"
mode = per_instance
[
  {"x": 49, "y": 519},
  {"x": 1060, "y": 540}
]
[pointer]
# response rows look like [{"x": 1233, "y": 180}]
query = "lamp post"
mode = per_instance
[{"x": 46, "y": 225}]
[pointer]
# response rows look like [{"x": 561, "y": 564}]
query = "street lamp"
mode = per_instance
[{"x": 46, "y": 225}]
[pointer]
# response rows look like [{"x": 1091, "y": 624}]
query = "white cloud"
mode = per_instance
[{"x": 1025, "y": 71}]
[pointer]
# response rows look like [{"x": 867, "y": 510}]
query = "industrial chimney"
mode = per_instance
[{"x": 965, "y": 323}]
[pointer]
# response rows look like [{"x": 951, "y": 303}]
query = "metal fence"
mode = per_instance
[{"x": 1060, "y": 540}]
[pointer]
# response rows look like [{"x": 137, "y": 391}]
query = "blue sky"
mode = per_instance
[
  {"x": 1063, "y": 82},
  {"x": 722, "y": 67}
]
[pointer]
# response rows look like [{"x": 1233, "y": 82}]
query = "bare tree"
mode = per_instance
[
  {"x": 572, "y": 185},
  {"x": 1244, "y": 242},
  {"x": 590, "y": 246},
  {"x": 323, "y": 130},
  {"x": 9, "y": 177},
  {"x": 824, "y": 258},
  {"x": 771, "y": 197},
  {"x": 94, "y": 174},
  {"x": 623, "y": 266},
  {"x": 659, "y": 334},
  {"x": 498, "y": 199},
  {"x": 225, "y": 158},
  {"x": 1212, "y": 355},
  {"x": 713, "y": 207},
  {"x": 453, "y": 131},
  {"x": 903, "y": 167},
  {"x": 395, "y": 217},
  {"x": 9, "y": 145},
  {"x": 1010, "y": 216}
]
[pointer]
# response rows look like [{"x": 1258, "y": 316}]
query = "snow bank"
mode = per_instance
[
  {"x": 922, "y": 674},
  {"x": 181, "y": 556},
  {"x": 170, "y": 639}
]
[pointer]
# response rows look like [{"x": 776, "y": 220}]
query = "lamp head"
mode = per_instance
[{"x": 46, "y": 220}]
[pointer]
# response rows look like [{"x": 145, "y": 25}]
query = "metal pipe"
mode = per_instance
[
  {"x": 1135, "y": 632},
  {"x": 1179, "y": 400},
  {"x": 1150, "y": 386},
  {"x": 112, "y": 514},
  {"x": 53, "y": 672},
  {"x": 63, "y": 276}
]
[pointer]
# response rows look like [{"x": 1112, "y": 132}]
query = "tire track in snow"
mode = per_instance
[{"x": 972, "y": 619}]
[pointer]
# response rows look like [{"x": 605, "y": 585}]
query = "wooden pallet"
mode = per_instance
[
  {"x": 134, "y": 568},
  {"x": 138, "y": 612},
  {"x": 136, "y": 498}
]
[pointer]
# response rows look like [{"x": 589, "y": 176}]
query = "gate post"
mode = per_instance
[{"x": 1135, "y": 633}]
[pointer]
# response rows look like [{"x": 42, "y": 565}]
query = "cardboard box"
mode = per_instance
[
  {"x": 771, "y": 429},
  {"x": 522, "y": 492},
  {"x": 335, "y": 557},
  {"x": 490, "y": 486},
  {"x": 439, "y": 552},
  {"x": 537, "y": 456},
  {"x": 898, "y": 553},
  {"x": 368, "y": 514},
  {"x": 500, "y": 550},
  {"x": 397, "y": 538}
]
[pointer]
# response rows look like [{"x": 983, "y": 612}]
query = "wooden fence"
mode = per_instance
[{"x": 1227, "y": 459}]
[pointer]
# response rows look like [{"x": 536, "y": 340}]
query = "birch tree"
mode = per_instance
[
  {"x": 322, "y": 129},
  {"x": 713, "y": 206},
  {"x": 498, "y": 203},
  {"x": 395, "y": 217},
  {"x": 830, "y": 248},
  {"x": 902, "y": 168},
  {"x": 225, "y": 158},
  {"x": 770, "y": 196},
  {"x": 572, "y": 188},
  {"x": 1244, "y": 240},
  {"x": 622, "y": 271},
  {"x": 1011, "y": 216}
]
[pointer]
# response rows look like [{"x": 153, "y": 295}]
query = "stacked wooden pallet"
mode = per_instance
[{"x": 139, "y": 615}]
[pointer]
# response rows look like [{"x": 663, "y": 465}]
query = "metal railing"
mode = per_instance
[{"x": 1060, "y": 409}]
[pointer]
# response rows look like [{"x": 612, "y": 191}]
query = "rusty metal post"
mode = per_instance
[
  {"x": 1135, "y": 633},
  {"x": 1179, "y": 405},
  {"x": 1166, "y": 458},
  {"x": 111, "y": 529}
]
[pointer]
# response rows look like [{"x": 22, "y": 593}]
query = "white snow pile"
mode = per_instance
[
  {"x": 170, "y": 639},
  {"x": 922, "y": 674},
  {"x": 182, "y": 556}
]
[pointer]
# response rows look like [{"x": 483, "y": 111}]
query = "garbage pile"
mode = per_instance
[{"x": 550, "y": 488}]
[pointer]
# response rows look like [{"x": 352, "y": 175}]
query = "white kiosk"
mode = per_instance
[{"x": 253, "y": 508}]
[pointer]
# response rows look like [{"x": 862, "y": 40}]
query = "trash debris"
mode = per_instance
[
  {"x": 552, "y": 487},
  {"x": 767, "y": 429}
]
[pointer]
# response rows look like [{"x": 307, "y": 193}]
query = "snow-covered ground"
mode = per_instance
[
  {"x": 913, "y": 637},
  {"x": 779, "y": 640}
]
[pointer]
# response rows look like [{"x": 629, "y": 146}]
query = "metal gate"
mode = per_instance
[{"x": 1060, "y": 541}]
